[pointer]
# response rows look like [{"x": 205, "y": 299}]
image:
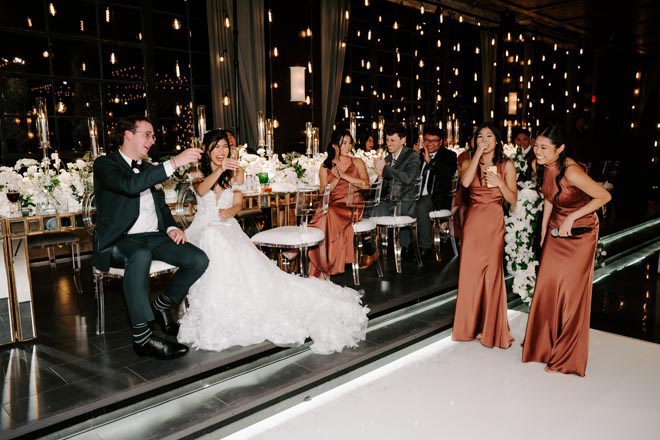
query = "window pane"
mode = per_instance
[
  {"x": 77, "y": 18},
  {"x": 124, "y": 99},
  {"x": 25, "y": 55},
  {"x": 22, "y": 14},
  {"x": 172, "y": 31},
  {"x": 77, "y": 58},
  {"x": 123, "y": 63},
  {"x": 172, "y": 68},
  {"x": 120, "y": 23}
]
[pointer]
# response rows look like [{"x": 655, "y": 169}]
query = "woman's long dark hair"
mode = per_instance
[
  {"x": 211, "y": 140},
  {"x": 335, "y": 140},
  {"x": 499, "y": 148},
  {"x": 556, "y": 136}
]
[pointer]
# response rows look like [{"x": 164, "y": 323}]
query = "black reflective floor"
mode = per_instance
[{"x": 69, "y": 369}]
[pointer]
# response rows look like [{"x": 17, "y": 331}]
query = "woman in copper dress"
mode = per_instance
[
  {"x": 338, "y": 170},
  {"x": 558, "y": 326},
  {"x": 481, "y": 311}
]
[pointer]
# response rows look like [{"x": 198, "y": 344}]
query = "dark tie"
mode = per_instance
[
  {"x": 393, "y": 161},
  {"x": 137, "y": 166}
]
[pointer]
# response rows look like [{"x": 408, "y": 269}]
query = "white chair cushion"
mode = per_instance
[
  {"x": 288, "y": 236},
  {"x": 364, "y": 225},
  {"x": 443, "y": 213},
  {"x": 156, "y": 267},
  {"x": 400, "y": 220}
]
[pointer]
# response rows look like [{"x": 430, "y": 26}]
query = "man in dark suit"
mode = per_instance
[
  {"x": 521, "y": 140},
  {"x": 134, "y": 225},
  {"x": 399, "y": 168},
  {"x": 438, "y": 168}
]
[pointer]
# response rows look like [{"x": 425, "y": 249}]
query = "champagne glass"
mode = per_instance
[{"x": 13, "y": 196}]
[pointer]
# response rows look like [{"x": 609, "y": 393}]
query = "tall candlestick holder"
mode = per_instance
[
  {"x": 261, "y": 129},
  {"x": 420, "y": 135},
  {"x": 42, "y": 126},
  {"x": 315, "y": 141},
  {"x": 93, "y": 138},
  {"x": 456, "y": 132},
  {"x": 201, "y": 125},
  {"x": 352, "y": 126},
  {"x": 309, "y": 138},
  {"x": 381, "y": 131},
  {"x": 270, "y": 143}
]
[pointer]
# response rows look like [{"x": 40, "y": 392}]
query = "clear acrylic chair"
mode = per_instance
[
  {"x": 156, "y": 269},
  {"x": 285, "y": 238},
  {"x": 400, "y": 193},
  {"x": 360, "y": 199},
  {"x": 443, "y": 222}
]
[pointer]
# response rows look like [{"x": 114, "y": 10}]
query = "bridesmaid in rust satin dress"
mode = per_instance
[
  {"x": 558, "y": 326},
  {"x": 338, "y": 170},
  {"x": 481, "y": 311}
]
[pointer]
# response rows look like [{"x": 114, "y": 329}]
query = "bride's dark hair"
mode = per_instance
[{"x": 211, "y": 140}]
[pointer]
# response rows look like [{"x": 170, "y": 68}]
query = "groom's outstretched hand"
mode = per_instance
[
  {"x": 177, "y": 236},
  {"x": 189, "y": 155}
]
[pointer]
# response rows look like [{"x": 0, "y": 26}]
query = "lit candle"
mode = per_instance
[
  {"x": 508, "y": 133},
  {"x": 456, "y": 129},
  {"x": 42, "y": 125},
  {"x": 308, "y": 138},
  {"x": 261, "y": 129}
]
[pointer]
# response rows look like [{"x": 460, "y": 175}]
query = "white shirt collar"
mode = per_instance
[{"x": 128, "y": 160}]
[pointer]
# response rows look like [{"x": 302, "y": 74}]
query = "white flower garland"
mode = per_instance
[{"x": 519, "y": 236}]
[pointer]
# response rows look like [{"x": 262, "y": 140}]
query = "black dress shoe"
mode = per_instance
[
  {"x": 164, "y": 319},
  {"x": 160, "y": 348}
]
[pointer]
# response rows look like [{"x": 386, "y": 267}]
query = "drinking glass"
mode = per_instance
[{"x": 13, "y": 197}]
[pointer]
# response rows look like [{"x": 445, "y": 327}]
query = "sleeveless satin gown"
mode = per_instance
[
  {"x": 336, "y": 251},
  {"x": 558, "y": 326},
  {"x": 481, "y": 305}
]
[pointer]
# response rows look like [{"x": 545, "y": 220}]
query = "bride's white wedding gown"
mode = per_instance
[{"x": 243, "y": 298}]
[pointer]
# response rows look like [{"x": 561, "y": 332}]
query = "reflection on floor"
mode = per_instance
[
  {"x": 462, "y": 390},
  {"x": 41, "y": 378}
]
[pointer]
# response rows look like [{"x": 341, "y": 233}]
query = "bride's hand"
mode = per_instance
[{"x": 224, "y": 214}]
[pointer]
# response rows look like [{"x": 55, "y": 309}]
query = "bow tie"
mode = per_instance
[{"x": 137, "y": 166}]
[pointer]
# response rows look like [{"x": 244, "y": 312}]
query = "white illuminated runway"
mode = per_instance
[{"x": 465, "y": 391}]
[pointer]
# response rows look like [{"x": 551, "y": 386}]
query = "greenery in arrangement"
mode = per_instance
[
  {"x": 292, "y": 160},
  {"x": 521, "y": 225}
]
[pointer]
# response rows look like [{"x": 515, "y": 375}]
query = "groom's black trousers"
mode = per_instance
[{"x": 135, "y": 252}]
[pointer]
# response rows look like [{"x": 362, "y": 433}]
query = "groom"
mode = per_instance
[{"x": 134, "y": 226}]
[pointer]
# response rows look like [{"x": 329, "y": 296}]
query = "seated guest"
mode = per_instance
[
  {"x": 400, "y": 167},
  {"x": 338, "y": 170},
  {"x": 369, "y": 142},
  {"x": 438, "y": 168},
  {"x": 135, "y": 226}
]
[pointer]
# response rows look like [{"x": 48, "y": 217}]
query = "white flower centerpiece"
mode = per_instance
[{"x": 521, "y": 226}]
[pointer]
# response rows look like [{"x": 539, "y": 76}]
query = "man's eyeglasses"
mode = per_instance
[
  {"x": 432, "y": 141},
  {"x": 147, "y": 134}
]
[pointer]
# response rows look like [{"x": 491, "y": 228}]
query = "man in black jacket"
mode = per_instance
[
  {"x": 438, "y": 167},
  {"x": 134, "y": 225}
]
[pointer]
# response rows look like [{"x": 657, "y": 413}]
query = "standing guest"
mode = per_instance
[
  {"x": 135, "y": 226},
  {"x": 438, "y": 168},
  {"x": 338, "y": 170},
  {"x": 399, "y": 167},
  {"x": 481, "y": 302},
  {"x": 522, "y": 140},
  {"x": 558, "y": 327}
]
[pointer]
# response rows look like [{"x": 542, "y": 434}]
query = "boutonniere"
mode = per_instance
[{"x": 158, "y": 187}]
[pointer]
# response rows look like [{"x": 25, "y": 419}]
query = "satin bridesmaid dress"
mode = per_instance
[
  {"x": 336, "y": 251},
  {"x": 558, "y": 326},
  {"x": 481, "y": 304}
]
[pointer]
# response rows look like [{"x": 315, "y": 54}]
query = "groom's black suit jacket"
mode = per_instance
[{"x": 117, "y": 191}]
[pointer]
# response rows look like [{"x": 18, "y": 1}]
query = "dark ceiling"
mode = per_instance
[{"x": 630, "y": 26}]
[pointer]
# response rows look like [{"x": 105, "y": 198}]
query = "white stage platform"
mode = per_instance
[{"x": 461, "y": 390}]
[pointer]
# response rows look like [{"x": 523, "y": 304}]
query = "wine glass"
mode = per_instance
[{"x": 13, "y": 196}]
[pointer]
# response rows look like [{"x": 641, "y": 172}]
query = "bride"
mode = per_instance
[{"x": 243, "y": 298}]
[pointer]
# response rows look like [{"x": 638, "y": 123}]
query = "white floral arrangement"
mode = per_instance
[
  {"x": 521, "y": 225},
  {"x": 369, "y": 157},
  {"x": 49, "y": 183}
]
